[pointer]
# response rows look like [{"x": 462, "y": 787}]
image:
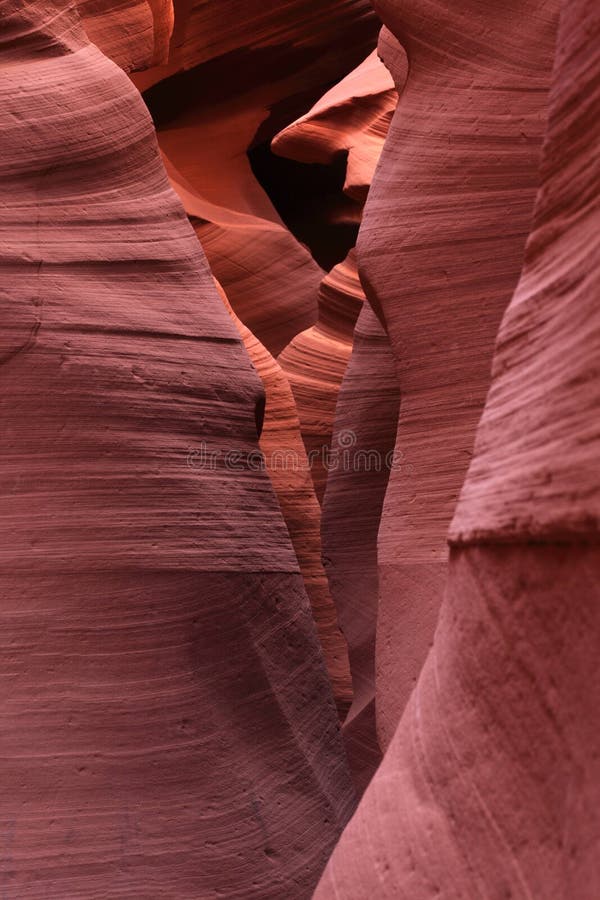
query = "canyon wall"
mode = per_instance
[
  {"x": 133, "y": 33},
  {"x": 439, "y": 253},
  {"x": 168, "y": 726},
  {"x": 491, "y": 782},
  {"x": 291, "y": 519},
  {"x": 284, "y": 458},
  {"x": 364, "y": 435}
]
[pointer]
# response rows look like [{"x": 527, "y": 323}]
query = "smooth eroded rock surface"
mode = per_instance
[
  {"x": 352, "y": 119},
  {"x": 315, "y": 362},
  {"x": 439, "y": 252},
  {"x": 136, "y": 556},
  {"x": 133, "y": 33},
  {"x": 287, "y": 464},
  {"x": 364, "y": 436},
  {"x": 491, "y": 784}
]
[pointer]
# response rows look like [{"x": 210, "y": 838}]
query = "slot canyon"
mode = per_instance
[{"x": 300, "y": 449}]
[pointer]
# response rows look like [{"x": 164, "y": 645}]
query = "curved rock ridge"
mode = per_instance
[
  {"x": 133, "y": 33},
  {"x": 315, "y": 361},
  {"x": 439, "y": 253},
  {"x": 393, "y": 56},
  {"x": 297, "y": 23},
  {"x": 366, "y": 417},
  {"x": 270, "y": 279},
  {"x": 305, "y": 29},
  {"x": 352, "y": 118},
  {"x": 491, "y": 784},
  {"x": 233, "y": 79},
  {"x": 138, "y": 553},
  {"x": 286, "y": 462},
  {"x": 535, "y": 471}
]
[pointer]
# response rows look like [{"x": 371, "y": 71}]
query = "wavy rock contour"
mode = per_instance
[
  {"x": 491, "y": 784},
  {"x": 364, "y": 435},
  {"x": 285, "y": 459},
  {"x": 134, "y": 559},
  {"x": 439, "y": 252}
]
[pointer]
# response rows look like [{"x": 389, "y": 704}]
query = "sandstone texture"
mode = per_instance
[
  {"x": 168, "y": 728},
  {"x": 363, "y": 441},
  {"x": 439, "y": 252},
  {"x": 352, "y": 119},
  {"x": 490, "y": 784},
  {"x": 133, "y": 33},
  {"x": 271, "y": 280},
  {"x": 206, "y": 30},
  {"x": 300, "y": 429},
  {"x": 284, "y": 457},
  {"x": 315, "y": 361},
  {"x": 224, "y": 90}
]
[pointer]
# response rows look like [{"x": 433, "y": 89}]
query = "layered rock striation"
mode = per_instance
[
  {"x": 490, "y": 785},
  {"x": 439, "y": 253},
  {"x": 285, "y": 459},
  {"x": 363, "y": 441},
  {"x": 168, "y": 724}
]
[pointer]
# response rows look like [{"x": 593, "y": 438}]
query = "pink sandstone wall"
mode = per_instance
[
  {"x": 135, "y": 762},
  {"x": 491, "y": 783}
]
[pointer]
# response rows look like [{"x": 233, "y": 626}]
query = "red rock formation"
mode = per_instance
[
  {"x": 352, "y": 118},
  {"x": 167, "y": 724},
  {"x": 237, "y": 73},
  {"x": 491, "y": 785},
  {"x": 297, "y": 23},
  {"x": 305, "y": 29},
  {"x": 286, "y": 462},
  {"x": 535, "y": 471},
  {"x": 440, "y": 251},
  {"x": 270, "y": 279},
  {"x": 212, "y": 119},
  {"x": 364, "y": 435},
  {"x": 315, "y": 361},
  {"x": 133, "y": 33}
]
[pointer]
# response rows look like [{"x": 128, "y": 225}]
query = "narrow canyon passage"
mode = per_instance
[{"x": 300, "y": 429}]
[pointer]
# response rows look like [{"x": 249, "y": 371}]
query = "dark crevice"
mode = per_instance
[{"x": 309, "y": 197}]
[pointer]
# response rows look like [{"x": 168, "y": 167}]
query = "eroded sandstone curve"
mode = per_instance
[
  {"x": 364, "y": 434},
  {"x": 491, "y": 784},
  {"x": 439, "y": 253},
  {"x": 315, "y": 361},
  {"x": 284, "y": 457},
  {"x": 270, "y": 279},
  {"x": 137, "y": 554},
  {"x": 133, "y": 33},
  {"x": 353, "y": 119}
]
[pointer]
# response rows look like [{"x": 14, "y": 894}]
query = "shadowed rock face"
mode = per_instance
[
  {"x": 491, "y": 783},
  {"x": 351, "y": 119},
  {"x": 236, "y": 74},
  {"x": 350, "y": 123},
  {"x": 137, "y": 763},
  {"x": 440, "y": 250},
  {"x": 364, "y": 435},
  {"x": 287, "y": 464},
  {"x": 208, "y": 29}
]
